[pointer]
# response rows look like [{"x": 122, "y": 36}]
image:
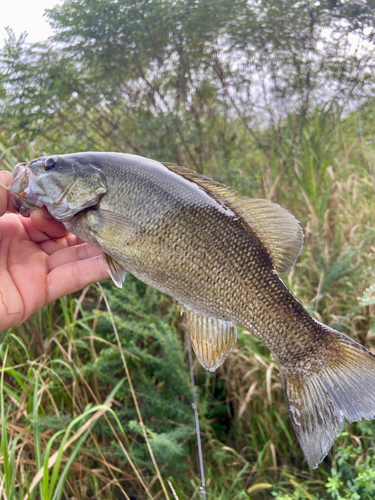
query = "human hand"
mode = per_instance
[{"x": 40, "y": 261}]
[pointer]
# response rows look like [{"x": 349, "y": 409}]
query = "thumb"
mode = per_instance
[{"x": 6, "y": 202}]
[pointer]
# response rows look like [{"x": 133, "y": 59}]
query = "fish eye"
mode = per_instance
[{"x": 49, "y": 164}]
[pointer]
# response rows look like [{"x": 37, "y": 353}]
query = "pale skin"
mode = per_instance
[{"x": 40, "y": 261}]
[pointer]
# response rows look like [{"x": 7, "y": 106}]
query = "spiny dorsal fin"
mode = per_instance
[
  {"x": 277, "y": 228},
  {"x": 211, "y": 338}
]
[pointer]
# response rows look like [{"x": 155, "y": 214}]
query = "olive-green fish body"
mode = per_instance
[
  {"x": 217, "y": 254},
  {"x": 188, "y": 245}
]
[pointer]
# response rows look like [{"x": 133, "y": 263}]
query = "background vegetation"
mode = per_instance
[{"x": 274, "y": 98}]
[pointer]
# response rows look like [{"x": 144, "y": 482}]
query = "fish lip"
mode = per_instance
[
  {"x": 21, "y": 206},
  {"x": 20, "y": 179},
  {"x": 19, "y": 187}
]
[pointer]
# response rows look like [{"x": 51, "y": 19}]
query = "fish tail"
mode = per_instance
[{"x": 342, "y": 385}]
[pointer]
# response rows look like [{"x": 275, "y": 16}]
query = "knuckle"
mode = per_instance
[
  {"x": 82, "y": 253},
  {"x": 77, "y": 276}
]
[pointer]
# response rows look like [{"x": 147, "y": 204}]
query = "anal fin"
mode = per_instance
[
  {"x": 212, "y": 338},
  {"x": 116, "y": 270}
]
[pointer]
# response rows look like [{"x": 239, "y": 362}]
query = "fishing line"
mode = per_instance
[{"x": 196, "y": 416}]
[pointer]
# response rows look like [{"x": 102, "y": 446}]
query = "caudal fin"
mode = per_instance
[{"x": 319, "y": 401}]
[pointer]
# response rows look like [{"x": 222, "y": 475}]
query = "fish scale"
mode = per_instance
[{"x": 217, "y": 254}]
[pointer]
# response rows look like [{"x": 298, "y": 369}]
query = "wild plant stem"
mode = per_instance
[
  {"x": 134, "y": 396},
  {"x": 19, "y": 196}
]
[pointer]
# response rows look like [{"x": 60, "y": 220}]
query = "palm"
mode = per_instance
[{"x": 39, "y": 262}]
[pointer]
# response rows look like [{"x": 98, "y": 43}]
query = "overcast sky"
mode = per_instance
[{"x": 26, "y": 15}]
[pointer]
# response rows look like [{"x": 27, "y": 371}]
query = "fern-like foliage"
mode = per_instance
[{"x": 368, "y": 297}]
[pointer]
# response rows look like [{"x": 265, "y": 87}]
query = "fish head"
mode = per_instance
[{"x": 65, "y": 184}]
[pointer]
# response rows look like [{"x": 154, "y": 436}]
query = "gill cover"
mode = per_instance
[{"x": 64, "y": 184}]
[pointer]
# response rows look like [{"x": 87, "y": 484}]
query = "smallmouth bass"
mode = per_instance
[{"x": 218, "y": 255}]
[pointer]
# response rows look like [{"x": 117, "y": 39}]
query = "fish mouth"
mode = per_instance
[{"x": 22, "y": 179}]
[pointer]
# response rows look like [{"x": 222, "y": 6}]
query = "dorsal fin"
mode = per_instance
[{"x": 277, "y": 228}]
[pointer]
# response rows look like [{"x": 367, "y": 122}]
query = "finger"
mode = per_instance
[
  {"x": 39, "y": 236},
  {"x": 6, "y": 203},
  {"x": 72, "y": 254},
  {"x": 74, "y": 276},
  {"x": 33, "y": 232},
  {"x": 44, "y": 221},
  {"x": 55, "y": 245}
]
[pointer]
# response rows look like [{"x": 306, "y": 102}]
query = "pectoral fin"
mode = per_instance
[
  {"x": 110, "y": 225},
  {"x": 211, "y": 338},
  {"x": 116, "y": 270}
]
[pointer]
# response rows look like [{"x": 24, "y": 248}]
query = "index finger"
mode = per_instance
[
  {"x": 42, "y": 219},
  {"x": 6, "y": 202}
]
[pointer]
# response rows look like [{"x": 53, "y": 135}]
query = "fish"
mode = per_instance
[{"x": 219, "y": 255}]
